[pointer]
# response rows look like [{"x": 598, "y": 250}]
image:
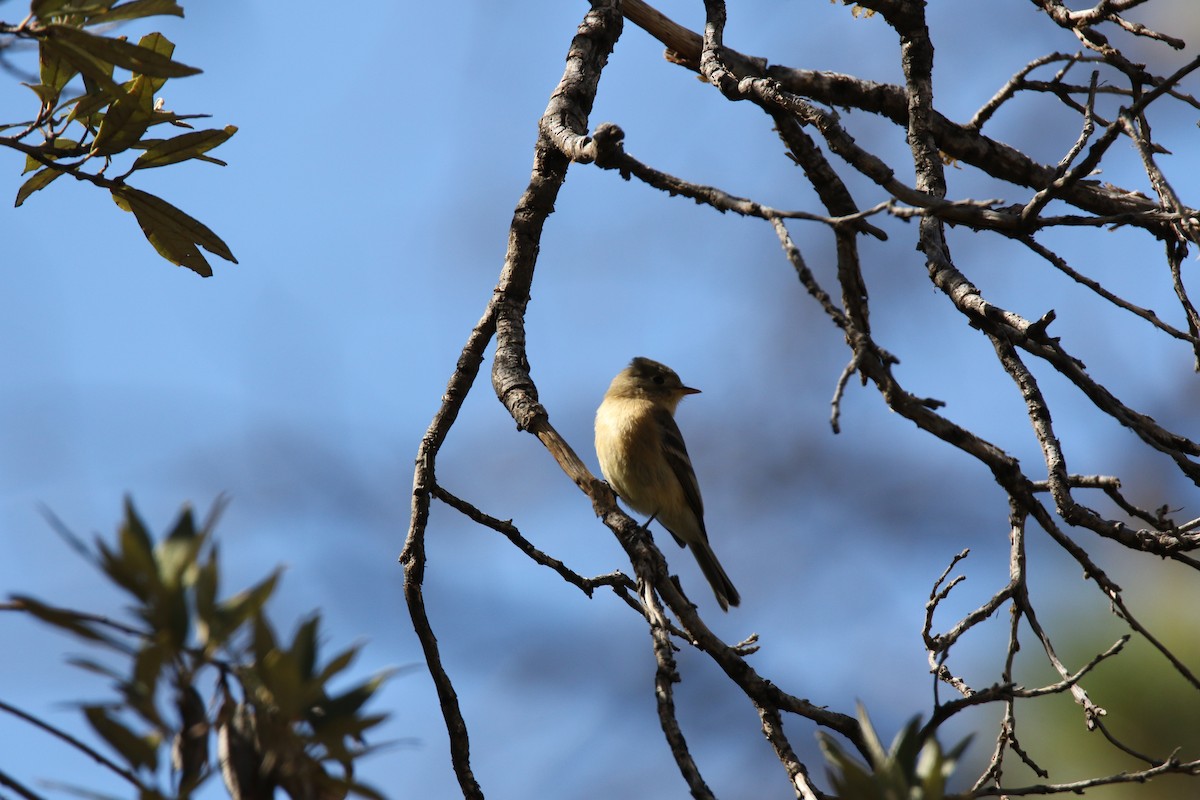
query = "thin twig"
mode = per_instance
[
  {"x": 95, "y": 755},
  {"x": 619, "y": 582}
]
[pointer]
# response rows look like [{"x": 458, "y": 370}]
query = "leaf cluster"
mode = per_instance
[
  {"x": 914, "y": 767},
  {"x": 277, "y": 722},
  {"x": 78, "y": 133}
]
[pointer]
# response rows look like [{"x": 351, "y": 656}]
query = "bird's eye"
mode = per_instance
[{"x": 659, "y": 379}]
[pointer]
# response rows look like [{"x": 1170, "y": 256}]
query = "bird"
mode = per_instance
[{"x": 644, "y": 460}]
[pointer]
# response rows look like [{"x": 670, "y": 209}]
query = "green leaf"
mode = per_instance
[
  {"x": 135, "y": 58},
  {"x": 121, "y": 572},
  {"x": 189, "y": 751},
  {"x": 265, "y": 641},
  {"x": 137, "y": 9},
  {"x": 176, "y": 554},
  {"x": 878, "y": 756},
  {"x": 209, "y": 624},
  {"x": 175, "y": 235},
  {"x": 53, "y": 151},
  {"x": 96, "y": 667},
  {"x": 137, "y": 549},
  {"x": 43, "y": 9},
  {"x": 349, "y": 702},
  {"x": 165, "y": 48},
  {"x": 55, "y": 72},
  {"x": 128, "y": 117},
  {"x": 138, "y": 751},
  {"x": 339, "y": 663},
  {"x": 305, "y": 645},
  {"x": 61, "y": 43},
  {"x": 71, "y": 621},
  {"x": 40, "y": 180},
  {"x": 62, "y": 147},
  {"x": 906, "y": 746},
  {"x": 238, "y": 752},
  {"x": 140, "y": 689},
  {"x": 849, "y": 776},
  {"x": 282, "y": 683},
  {"x": 249, "y": 603},
  {"x": 48, "y": 94},
  {"x": 177, "y": 119},
  {"x": 172, "y": 617},
  {"x": 131, "y": 566},
  {"x": 332, "y": 736},
  {"x": 929, "y": 771},
  {"x": 126, "y": 121},
  {"x": 183, "y": 147},
  {"x": 86, "y": 108}
]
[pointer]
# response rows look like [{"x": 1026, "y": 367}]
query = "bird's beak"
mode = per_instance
[{"x": 688, "y": 390}]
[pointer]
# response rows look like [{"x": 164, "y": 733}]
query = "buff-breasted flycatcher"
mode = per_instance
[{"x": 644, "y": 460}]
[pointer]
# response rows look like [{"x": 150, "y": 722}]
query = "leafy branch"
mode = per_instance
[
  {"x": 79, "y": 134},
  {"x": 277, "y": 722}
]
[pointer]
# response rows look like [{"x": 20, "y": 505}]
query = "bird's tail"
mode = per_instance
[{"x": 722, "y": 587}]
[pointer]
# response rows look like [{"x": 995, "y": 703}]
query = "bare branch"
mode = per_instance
[
  {"x": 619, "y": 582},
  {"x": 800, "y": 105}
]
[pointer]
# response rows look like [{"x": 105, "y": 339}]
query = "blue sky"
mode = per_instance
[{"x": 367, "y": 198}]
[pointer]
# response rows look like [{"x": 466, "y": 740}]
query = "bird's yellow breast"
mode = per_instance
[{"x": 629, "y": 448}]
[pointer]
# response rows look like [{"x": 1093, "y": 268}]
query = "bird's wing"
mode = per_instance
[{"x": 677, "y": 456}]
